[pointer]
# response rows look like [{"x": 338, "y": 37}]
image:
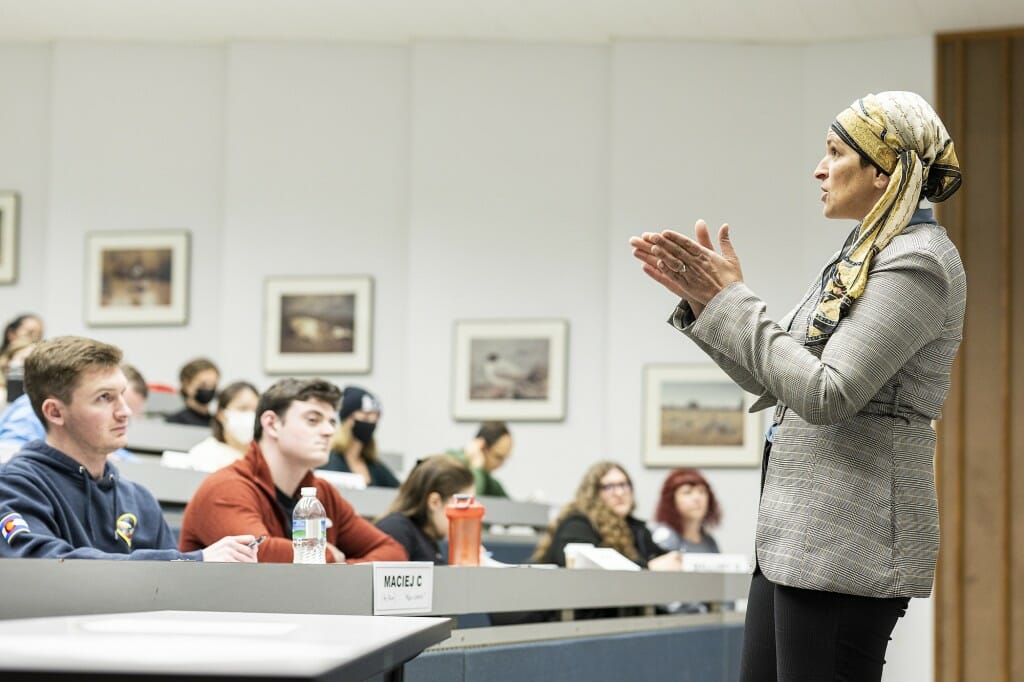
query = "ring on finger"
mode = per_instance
[{"x": 681, "y": 268}]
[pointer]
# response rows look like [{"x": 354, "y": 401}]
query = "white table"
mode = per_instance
[{"x": 190, "y": 645}]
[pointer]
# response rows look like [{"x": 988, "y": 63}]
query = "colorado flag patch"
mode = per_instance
[{"x": 11, "y": 525}]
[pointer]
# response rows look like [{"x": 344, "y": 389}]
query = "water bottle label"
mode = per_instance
[{"x": 309, "y": 529}]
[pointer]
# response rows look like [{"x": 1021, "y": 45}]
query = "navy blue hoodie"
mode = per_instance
[{"x": 50, "y": 507}]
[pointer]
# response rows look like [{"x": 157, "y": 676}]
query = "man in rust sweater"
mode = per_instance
[{"x": 295, "y": 420}]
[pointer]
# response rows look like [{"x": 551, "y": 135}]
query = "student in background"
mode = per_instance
[
  {"x": 687, "y": 507},
  {"x": 20, "y": 335},
  {"x": 197, "y": 383},
  {"x": 416, "y": 519},
  {"x": 485, "y": 454},
  {"x": 232, "y": 428},
  {"x": 62, "y": 498},
  {"x": 602, "y": 515},
  {"x": 353, "y": 448},
  {"x": 295, "y": 420}
]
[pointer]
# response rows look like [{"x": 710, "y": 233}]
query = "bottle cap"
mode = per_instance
[{"x": 309, "y": 491}]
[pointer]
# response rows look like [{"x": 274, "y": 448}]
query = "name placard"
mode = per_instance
[{"x": 401, "y": 587}]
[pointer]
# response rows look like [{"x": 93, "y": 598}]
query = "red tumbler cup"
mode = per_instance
[{"x": 465, "y": 524}]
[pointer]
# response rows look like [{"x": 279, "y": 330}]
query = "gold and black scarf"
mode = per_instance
[{"x": 903, "y": 137}]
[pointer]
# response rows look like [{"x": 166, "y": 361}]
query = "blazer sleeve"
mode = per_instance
[
  {"x": 902, "y": 308},
  {"x": 682, "y": 319}
]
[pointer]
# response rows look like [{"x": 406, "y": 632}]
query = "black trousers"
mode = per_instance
[{"x": 794, "y": 635}]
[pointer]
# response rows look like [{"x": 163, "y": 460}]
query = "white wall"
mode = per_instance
[
  {"x": 137, "y": 137},
  {"x": 471, "y": 180},
  {"x": 24, "y": 167},
  {"x": 509, "y": 194}
]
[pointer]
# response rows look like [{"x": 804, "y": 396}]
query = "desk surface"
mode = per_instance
[
  {"x": 185, "y": 644},
  {"x": 48, "y": 587}
]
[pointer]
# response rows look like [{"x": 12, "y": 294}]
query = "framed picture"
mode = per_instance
[
  {"x": 137, "y": 278},
  {"x": 695, "y": 416},
  {"x": 318, "y": 325},
  {"x": 8, "y": 237},
  {"x": 510, "y": 370}
]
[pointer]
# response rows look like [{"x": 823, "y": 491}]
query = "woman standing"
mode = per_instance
[{"x": 848, "y": 522}]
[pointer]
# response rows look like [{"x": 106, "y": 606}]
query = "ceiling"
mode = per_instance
[{"x": 562, "y": 21}]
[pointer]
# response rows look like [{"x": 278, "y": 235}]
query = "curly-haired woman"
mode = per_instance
[{"x": 602, "y": 515}]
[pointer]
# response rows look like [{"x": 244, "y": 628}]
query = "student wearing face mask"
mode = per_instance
[
  {"x": 231, "y": 427},
  {"x": 353, "y": 448},
  {"x": 198, "y": 385}
]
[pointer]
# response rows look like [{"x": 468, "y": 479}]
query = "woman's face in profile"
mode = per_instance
[
  {"x": 616, "y": 491},
  {"x": 849, "y": 189},
  {"x": 692, "y": 501}
]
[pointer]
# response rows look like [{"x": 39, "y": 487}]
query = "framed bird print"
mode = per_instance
[{"x": 510, "y": 370}]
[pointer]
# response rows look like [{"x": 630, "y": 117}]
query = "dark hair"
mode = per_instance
[
  {"x": 135, "y": 379},
  {"x": 279, "y": 397},
  {"x": 491, "y": 432},
  {"x": 12, "y": 327},
  {"x": 441, "y": 474},
  {"x": 224, "y": 398},
  {"x": 192, "y": 368},
  {"x": 55, "y": 367},
  {"x": 668, "y": 514}
]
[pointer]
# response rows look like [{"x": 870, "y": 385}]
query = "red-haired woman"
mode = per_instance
[{"x": 686, "y": 509}]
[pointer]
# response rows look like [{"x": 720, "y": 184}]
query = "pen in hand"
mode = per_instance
[{"x": 257, "y": 541}]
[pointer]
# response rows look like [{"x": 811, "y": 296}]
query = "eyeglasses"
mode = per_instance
[{"x": 620, "y": 487}]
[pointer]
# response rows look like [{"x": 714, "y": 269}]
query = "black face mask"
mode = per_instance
[
  {"x": 15, "y": 389},
  {"x": 204, "y": 395},
  {"x": 363, "y": 431}
]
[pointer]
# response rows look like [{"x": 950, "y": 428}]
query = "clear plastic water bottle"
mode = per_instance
[{"x": 309, "y": 529}]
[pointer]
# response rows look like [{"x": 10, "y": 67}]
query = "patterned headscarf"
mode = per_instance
[{"x": 903, "y": 137}]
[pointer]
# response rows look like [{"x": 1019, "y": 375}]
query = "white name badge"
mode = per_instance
[{"x": 402, "y": 587}]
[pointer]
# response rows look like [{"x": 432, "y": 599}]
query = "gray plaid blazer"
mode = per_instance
[{"x": 849, "y": 502}]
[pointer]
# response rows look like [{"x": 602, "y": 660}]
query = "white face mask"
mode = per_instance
[{"x": 240, "y": 425}]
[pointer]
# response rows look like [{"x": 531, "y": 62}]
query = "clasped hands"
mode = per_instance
[{"x": 689, "y": 268}]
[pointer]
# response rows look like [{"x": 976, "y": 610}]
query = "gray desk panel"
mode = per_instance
[
  {"x": 175, "y": 487},
  {"x": 153, "y": 435},
  {"x": 46, "y": 587},
  {"x": 184, "y": 645}
]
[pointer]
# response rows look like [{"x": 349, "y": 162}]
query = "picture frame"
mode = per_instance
[
  {"x": 510, "y": 370},
  {"x": 137, "y": 278},
  {"x": 318, "y": 325},
  {"x": 9, "y": 206},
  {"x": 696, "y": 416}
]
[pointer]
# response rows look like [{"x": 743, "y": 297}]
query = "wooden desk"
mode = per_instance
[{"x": 189, "y": 645}]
